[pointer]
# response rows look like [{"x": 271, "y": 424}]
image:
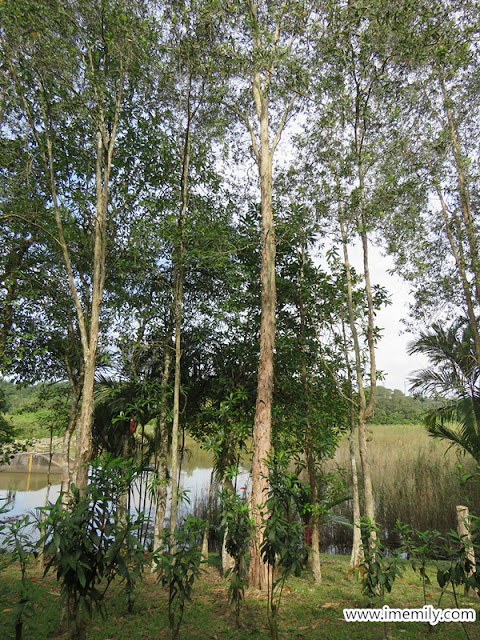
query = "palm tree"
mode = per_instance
[
  {"x": 112, "y": 417},
  {"x": 453, "y": 377}
]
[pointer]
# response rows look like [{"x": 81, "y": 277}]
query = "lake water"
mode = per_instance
[{"x": 26, "y": 492}]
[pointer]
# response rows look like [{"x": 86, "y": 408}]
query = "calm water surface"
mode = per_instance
[{"x": 25, "y": 493}]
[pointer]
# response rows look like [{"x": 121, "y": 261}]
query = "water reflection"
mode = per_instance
[
  {"x": 194, "y": 481},
  {"x": 19, "y": 481}
]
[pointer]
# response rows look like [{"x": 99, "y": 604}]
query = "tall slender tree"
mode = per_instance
[
  {"x": 349, "y": 138},
  {"x": 269, "y": 39},
  {"x": 72, "y": 68},
  {"x": 437, "y": 64}
]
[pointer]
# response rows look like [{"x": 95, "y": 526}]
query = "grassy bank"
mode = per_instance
[
  {"x": 31, "y": 424},
  {"x": 307, "y": 610}
]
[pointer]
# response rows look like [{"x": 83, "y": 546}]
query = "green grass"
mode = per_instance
[
  {"x": 307, "y": 610},
  {"x": 31, "y": 424}
]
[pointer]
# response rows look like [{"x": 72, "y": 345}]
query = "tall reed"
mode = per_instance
[{"x": 415, "y": 480}]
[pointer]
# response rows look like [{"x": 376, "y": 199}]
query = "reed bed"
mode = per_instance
[{"x": 415, "y": 480}]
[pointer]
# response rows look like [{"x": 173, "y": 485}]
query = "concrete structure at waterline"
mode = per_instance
[{"x": 34, "y": 462}]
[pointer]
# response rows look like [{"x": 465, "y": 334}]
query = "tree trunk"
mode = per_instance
[
  {"x": 228, "y": 562},
  {"x": 357, "y": 552},
  {"x": 462, "y": 188},
  {"x": 176, "y": 405},
  {"x": 464, "y": 531},
  {"x": 179, "y": 278},
  {"x": 161, "y": 491},
  {"x": 365, "y": 409},
  {"x": 356, "y": 556},
  {"x": 88, "y": 331},
  {"x": 75, "y": 390},
  {"x": 471, "y": 241},
  {"x": 263, "y": 152},
  {"x": 362, "y": 409},
  {"x": 206, "y": 531},
  {"x": 314, "y": 523},
  {"x": 458, "y": 254},
  {"x": 162, "y": 435},
  {"x": 66, "y": 474},
  {"x": 84, "y": 429},
  {"x": 88, "y": 318},
  {"x": 84, "y": 439},
  {"x": 367, "y": 479},
  {"x": 263, "y": 411},
  {"x": 309, "y": 453}
]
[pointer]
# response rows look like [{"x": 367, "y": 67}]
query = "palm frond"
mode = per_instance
[
  {"x": 455, "y": 438},
  {"x": 453, "y": 375}
]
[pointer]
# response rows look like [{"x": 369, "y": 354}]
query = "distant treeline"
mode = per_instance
[
  {"x": 18, "y": 397},
  {"x": 32, "y": 399},
  {"x": 394, "y": 407}
]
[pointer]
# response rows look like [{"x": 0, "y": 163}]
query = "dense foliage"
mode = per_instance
[{"x": 394, "y": 407}]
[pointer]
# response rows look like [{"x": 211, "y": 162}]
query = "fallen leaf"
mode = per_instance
[{"x": 330, "y": 605}]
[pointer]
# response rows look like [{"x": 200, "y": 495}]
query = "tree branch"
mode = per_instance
[
  {"x": 285, "y": 115},
  {"x": 245, "y": 119}
]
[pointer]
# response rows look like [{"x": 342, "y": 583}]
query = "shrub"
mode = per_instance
[
  {"x": 92, "y": 541},
  {"x": 179, "y": 567}
]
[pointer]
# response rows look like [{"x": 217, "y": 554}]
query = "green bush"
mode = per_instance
[
  {"x": 179, "y": 567},
  {"x": 92, "y": 541},
  {"x": 282, "y": 548},
  {"x": 238, "y": 526}
]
